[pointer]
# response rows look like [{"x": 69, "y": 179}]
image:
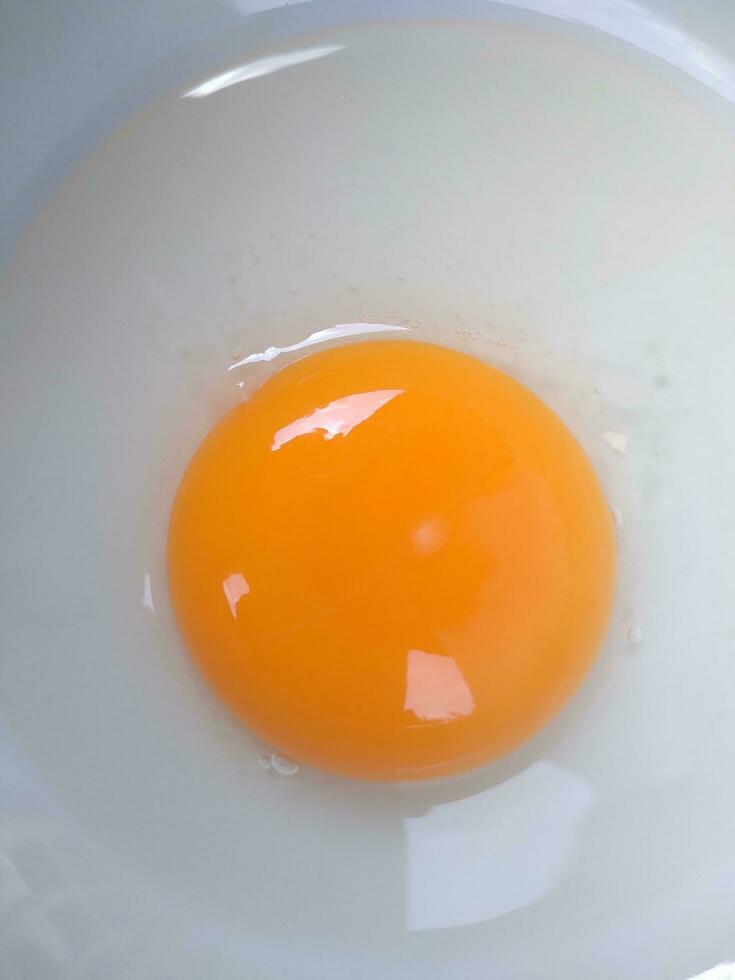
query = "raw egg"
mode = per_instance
[{"x": 391, "y": 561}]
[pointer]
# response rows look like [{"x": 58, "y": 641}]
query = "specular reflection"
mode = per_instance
[
  {"x": 259, "y": 68},
  {"x": 235, "y": 586},
  {"x": 474, "y": 859},
  {"x": 148, "y": 593},
  {"x": 723, "y": 971},
  {"x": 435, "y": 687},
  {"x": 338, "y": 332},
  {"x": 430, "y": 536},
  {"x": 338, "y": 417}
]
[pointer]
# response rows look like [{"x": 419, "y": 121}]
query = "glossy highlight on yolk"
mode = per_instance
[{"x": 391, "y": 561}]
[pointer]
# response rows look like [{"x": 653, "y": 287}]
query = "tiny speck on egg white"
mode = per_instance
[{"x": 634, "y": 634}]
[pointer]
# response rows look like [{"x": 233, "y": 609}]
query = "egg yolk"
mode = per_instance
[{"x": 391, "y": 561}]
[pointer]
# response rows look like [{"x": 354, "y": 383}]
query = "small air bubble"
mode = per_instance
[
  {"x": 617, "y": 441},
  {"x": 617, "y": 517},
  {"x": 634, "y": 634},
  {"x": 283, "y": 765},
  {"x": 264, "y": 760}
]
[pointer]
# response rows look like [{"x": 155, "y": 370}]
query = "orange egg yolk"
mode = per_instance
[{"x": 391, "y": 561}]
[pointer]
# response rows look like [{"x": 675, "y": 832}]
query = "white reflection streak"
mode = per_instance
[
  {"x": 257, "y": 69},
  {"x": 435, "y": 688},
  {"x": 504, "y": 849},
  {"x": 646, "y": 30},
  {"x": 148, "y": 593},
  {"x": 248, "y": 7},
  {"x": 338, "y": 418},
  {"x": 235, "y": 586},
  {"x": 723, "y": 971},
  {"x": 319, "y": 337}
]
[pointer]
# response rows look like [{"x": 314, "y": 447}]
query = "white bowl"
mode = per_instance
[{"x": 549, "y": 183}]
